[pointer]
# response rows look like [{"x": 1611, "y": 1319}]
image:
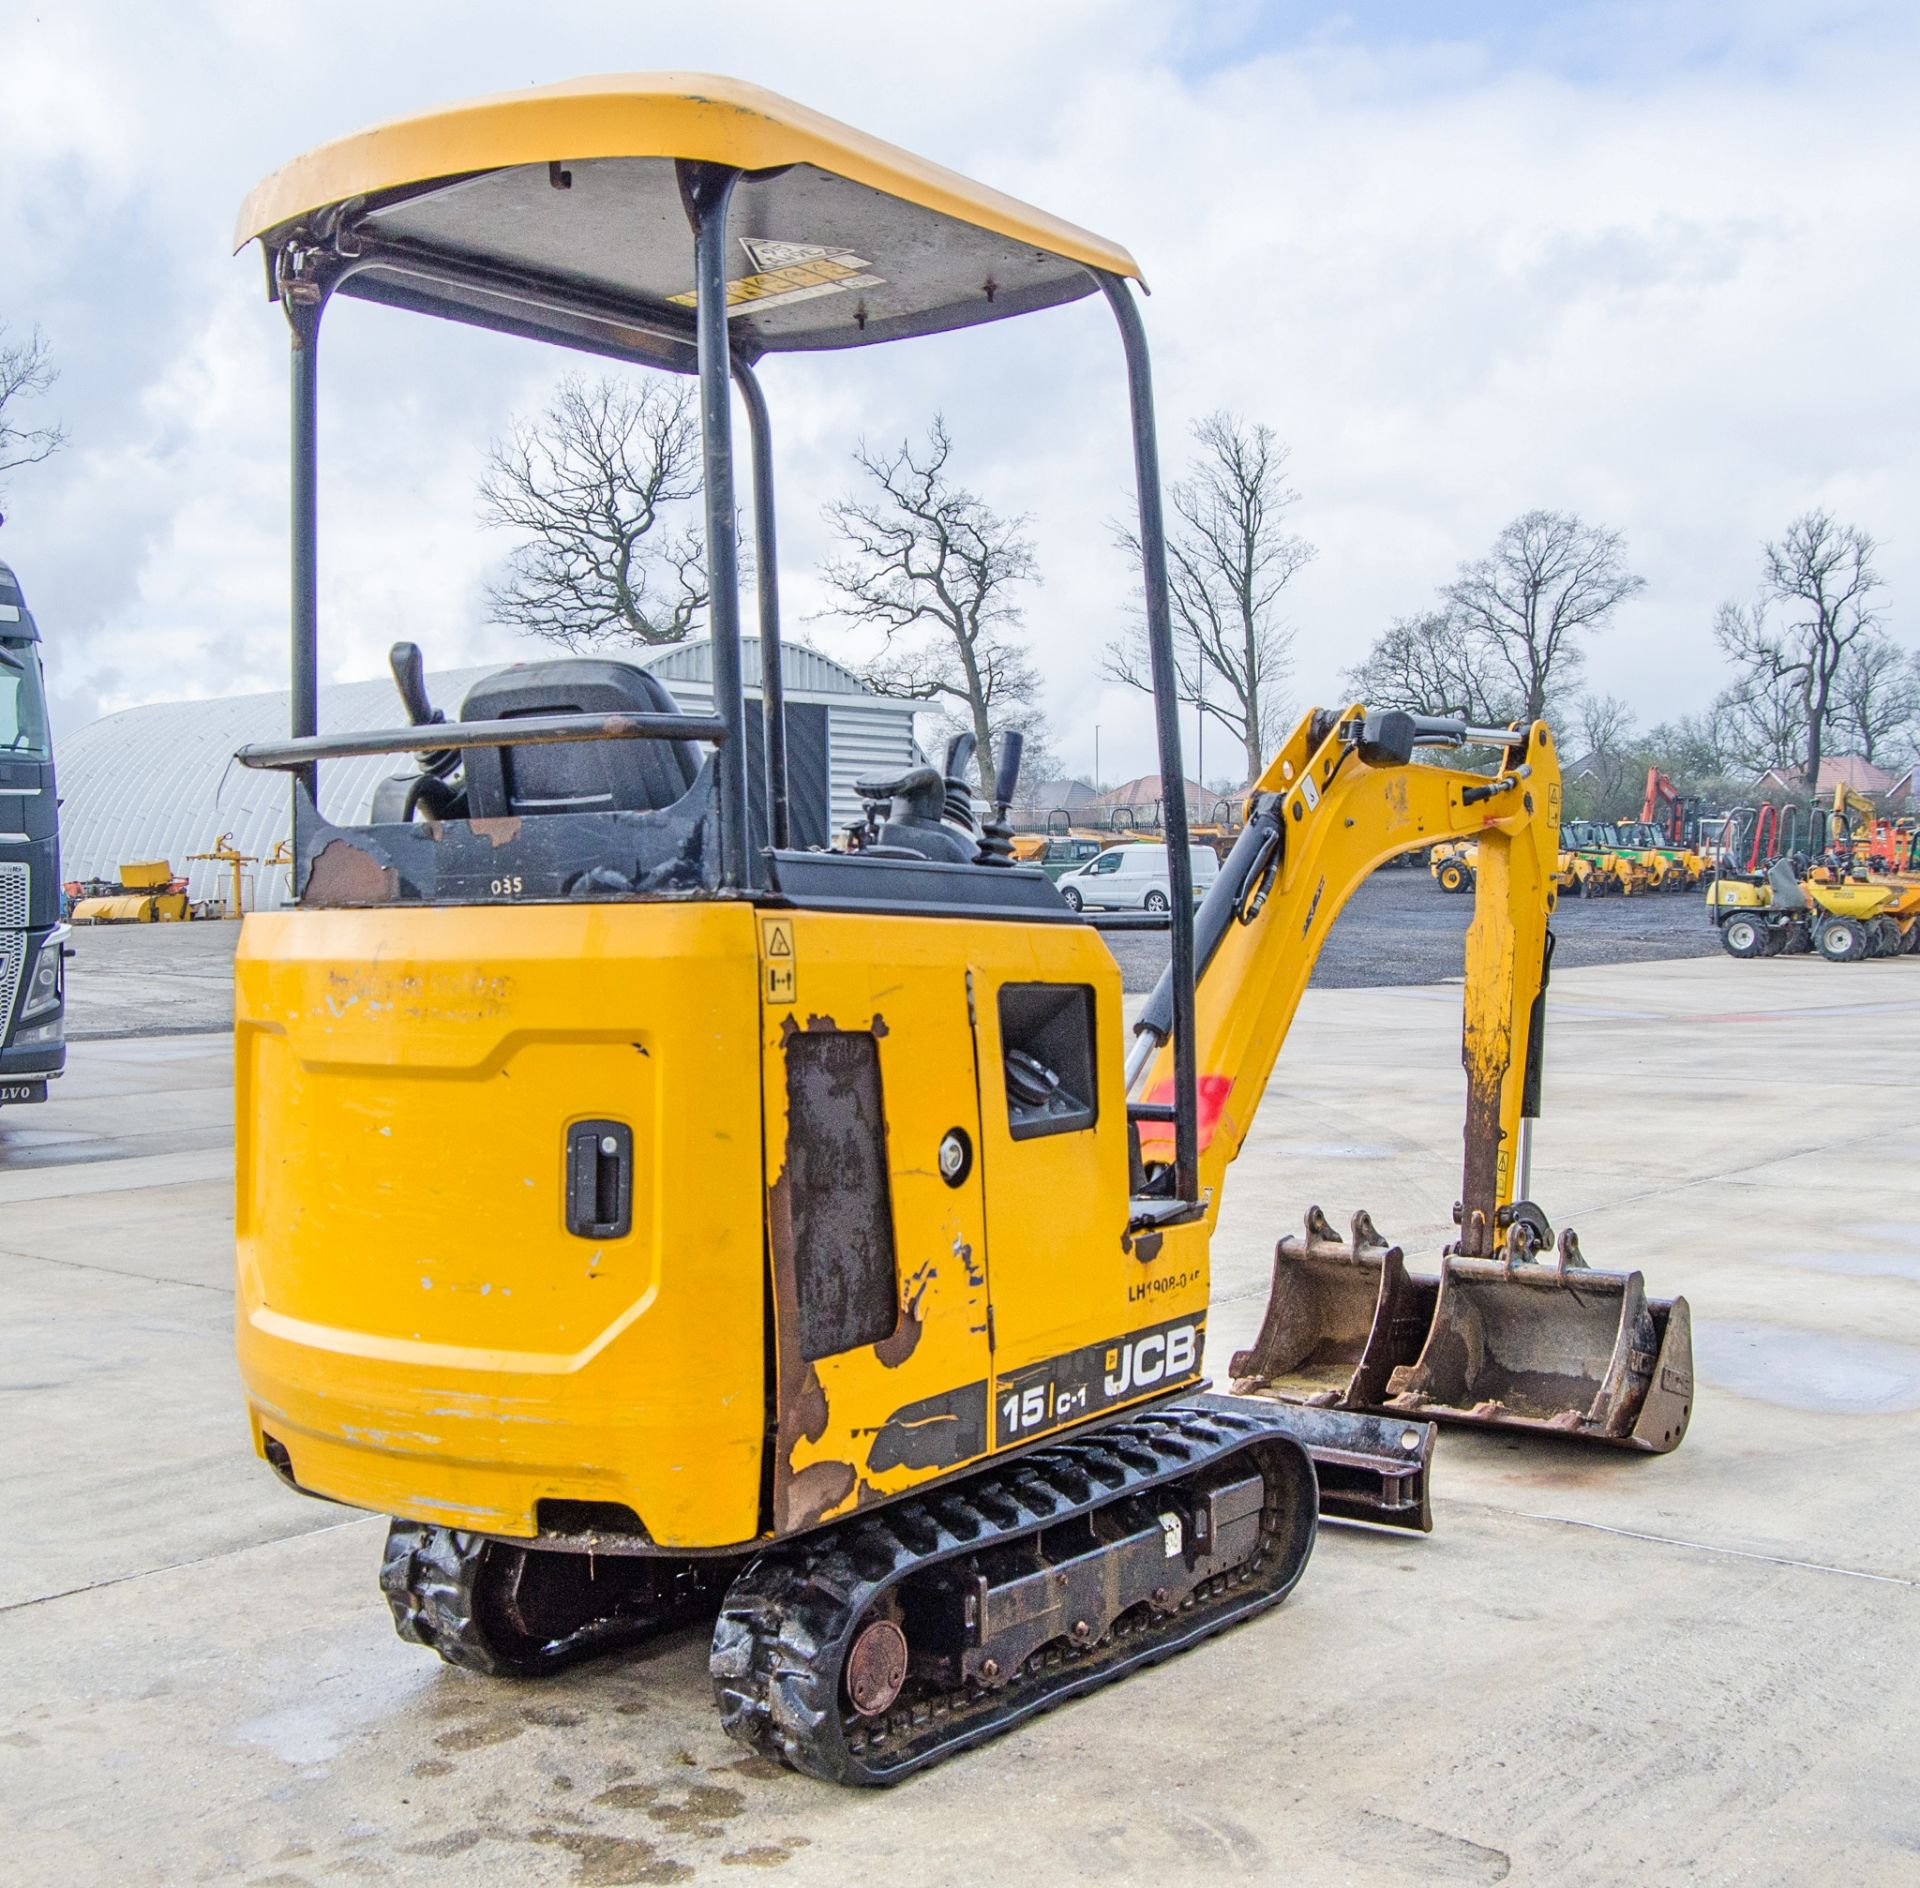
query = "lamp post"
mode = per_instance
[{"x": 1200, "y": 732}]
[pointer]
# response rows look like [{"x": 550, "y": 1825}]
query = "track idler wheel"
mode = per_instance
[{"x": 876, "y": 1667}]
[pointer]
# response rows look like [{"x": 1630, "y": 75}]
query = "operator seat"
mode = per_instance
[{"x": 576, "y": 776}]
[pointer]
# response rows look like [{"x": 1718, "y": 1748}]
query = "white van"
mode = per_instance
[{"x": 1133, "y": 878}]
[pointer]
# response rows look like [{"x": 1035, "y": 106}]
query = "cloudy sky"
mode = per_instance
[{"x": 1655, "y": 263}]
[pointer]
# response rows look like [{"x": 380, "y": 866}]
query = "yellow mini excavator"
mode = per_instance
[{"x": 659, "y": 1219}]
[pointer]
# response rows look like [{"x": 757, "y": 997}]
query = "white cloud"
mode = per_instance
[{"x": 1653, "y": 268}]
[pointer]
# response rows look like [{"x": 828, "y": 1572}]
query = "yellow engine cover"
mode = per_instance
[
  {"x": 417, "y": 1327},
  {"x": 830, "y": 1179}
]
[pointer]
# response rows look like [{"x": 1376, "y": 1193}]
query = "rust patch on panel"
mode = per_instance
[
  {"x": 345, "y": 874},
  {"x": 809, "y": 1406},
  {"x": 814, "y": 1490},
  {"x": 497, "y": 832},
  {"x": 895, "y": 1350}
]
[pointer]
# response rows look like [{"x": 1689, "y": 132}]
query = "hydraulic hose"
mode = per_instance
[{"x": 1255, "y": 854}]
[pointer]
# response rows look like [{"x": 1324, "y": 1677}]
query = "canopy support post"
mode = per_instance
[
  {"x": 773, "y": 681},
  {"x": 706, "y": 190},
  {"x": 1166, "y": 716},
  {"x": 303, "y": 297}
]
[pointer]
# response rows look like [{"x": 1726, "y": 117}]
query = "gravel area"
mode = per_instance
[
  {"x": 177, "y": 979},
  {"x": 1400, "y": 927}
]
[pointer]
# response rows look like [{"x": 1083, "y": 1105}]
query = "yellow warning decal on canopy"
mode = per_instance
[
  {"x": 778, "y": 979},
  {"x": 790, "y": 272}
]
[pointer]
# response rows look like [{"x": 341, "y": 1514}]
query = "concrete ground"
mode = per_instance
[
  {"x": 150, "y": 979},
  {"x": 1598, "y": 1669}
]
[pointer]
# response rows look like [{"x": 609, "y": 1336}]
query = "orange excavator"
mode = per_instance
[{"x": 1666, "y": 808}]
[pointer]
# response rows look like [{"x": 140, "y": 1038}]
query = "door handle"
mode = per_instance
[{"x": 600, "y": 1179}]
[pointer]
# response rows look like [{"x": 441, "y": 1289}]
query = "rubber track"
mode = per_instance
[
  {"x": 787, "y": 1622},
  {"x": 432, "y": 1576}
]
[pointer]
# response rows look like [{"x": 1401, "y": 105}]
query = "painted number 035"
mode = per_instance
[{"x": 508, "y": 887}]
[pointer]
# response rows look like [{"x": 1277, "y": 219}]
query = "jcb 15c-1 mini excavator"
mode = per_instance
[{"x": 657, "y": 1218}]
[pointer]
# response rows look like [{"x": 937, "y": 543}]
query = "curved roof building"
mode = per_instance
[{"x": 160, "y": 781}]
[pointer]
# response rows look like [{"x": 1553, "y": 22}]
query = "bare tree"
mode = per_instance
[
  {"x": 936, "y": 570},
  {"x": 1550, "y": 580},
  {"x": 1696, "y": 752},
  {"x": 1876, "y": 698},
  {"x": 1229, "y": 558},
  {"x": 1822, "y": 574},
  {"x": 1760, "y": 714},
  {"x": 598, "y": 486},
  {"x": 1615, "y": 760},
  {"x": 26, "y": 372},
  {"x": 1429, "y": 665}
]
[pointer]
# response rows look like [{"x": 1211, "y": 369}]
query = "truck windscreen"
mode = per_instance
[{"x": 23, "y": 707}]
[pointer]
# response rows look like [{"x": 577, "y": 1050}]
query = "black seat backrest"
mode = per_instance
[{"x": 574, "y": 776}]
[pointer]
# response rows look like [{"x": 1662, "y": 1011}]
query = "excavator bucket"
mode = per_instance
[{"x": 1516, "y": 1342}]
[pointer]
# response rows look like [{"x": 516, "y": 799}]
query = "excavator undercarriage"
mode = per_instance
[{"x": 869, "y": 1649}]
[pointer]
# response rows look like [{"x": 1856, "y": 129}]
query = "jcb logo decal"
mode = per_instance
[
  {"x": 1141, "y": 1362},
  {"x": 1059, "y": 1391}
]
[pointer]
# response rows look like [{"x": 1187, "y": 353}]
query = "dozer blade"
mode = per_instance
[
  {"x": 1369, "y": 1468},
  {"x": 1509, "y": 1343}
]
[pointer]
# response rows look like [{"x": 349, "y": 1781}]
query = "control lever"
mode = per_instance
[
  {"x": 410, "y": 680},
  {"x": 996, "y": 831},
  {"x": 959, "y": 804}
]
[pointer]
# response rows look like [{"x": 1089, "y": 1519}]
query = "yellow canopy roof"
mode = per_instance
[{"x": 839, "y": 239}]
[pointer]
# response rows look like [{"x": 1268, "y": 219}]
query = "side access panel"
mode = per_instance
[
  {"x": 1087, "y": 1316},
  {"x": 876, "y": 1234}
]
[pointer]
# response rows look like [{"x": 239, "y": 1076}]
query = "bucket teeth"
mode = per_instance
[{"x": 1513, "y": 1342}]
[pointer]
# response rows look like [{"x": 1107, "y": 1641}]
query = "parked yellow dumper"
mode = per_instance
[{"x": 149, "y": 894}]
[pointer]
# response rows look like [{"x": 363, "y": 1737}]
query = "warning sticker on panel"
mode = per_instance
[
  {"x": 790, "y": 272},
  {"x": 778, "y": 981}
]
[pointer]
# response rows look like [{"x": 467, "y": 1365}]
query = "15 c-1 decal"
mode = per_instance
[{"x": 1038, "y": 1398}]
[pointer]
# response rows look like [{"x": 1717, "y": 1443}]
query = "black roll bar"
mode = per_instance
[
  {"x": 300, "y": 754},
  {"x": 306, "y": 280},
  {"x": 1166, "y": 716},
  {"x": 773, "y": 681},
  {"x": 303, "y": 318},
  {"x": 706, "y": 191}
]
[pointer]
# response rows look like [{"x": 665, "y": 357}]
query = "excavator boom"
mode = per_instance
[{"x": 1510, "y": 1333}]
